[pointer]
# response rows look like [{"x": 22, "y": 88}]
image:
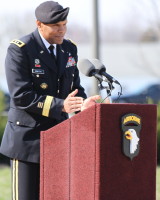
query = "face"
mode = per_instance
[{"x": 53, "y": 33}]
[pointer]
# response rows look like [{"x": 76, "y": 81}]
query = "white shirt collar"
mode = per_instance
[{"x": 47, "y": 44}]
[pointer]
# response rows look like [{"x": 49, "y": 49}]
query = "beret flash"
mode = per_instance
[{"x": 51, "y": 12}]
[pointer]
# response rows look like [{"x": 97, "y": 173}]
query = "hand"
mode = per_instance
[
  {"x": 72, "y": 103},
  {"x": 89, "y": 102},
  {"x": 108, "y": 100}
]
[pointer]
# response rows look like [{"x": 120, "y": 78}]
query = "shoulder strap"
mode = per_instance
[{"x": 19, "y": 43}]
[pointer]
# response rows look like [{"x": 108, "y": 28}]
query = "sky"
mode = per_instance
[{"x": 80, "y": 11}]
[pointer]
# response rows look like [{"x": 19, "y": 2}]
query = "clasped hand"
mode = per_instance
[{"x": 73, "y": 103}]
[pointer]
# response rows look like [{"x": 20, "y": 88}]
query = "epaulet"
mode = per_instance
[
  {"x": 72, "y": 42},
  {"x": 19, "y": 43}
]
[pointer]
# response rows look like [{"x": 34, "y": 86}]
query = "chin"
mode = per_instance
[{"x": 59, "y": 42}]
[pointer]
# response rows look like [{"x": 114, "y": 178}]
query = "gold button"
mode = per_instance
[{"x": 44, "y": 86}]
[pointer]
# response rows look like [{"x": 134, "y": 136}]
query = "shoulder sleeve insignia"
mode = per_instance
[
  {"x": 131, "y": 126},
  {"x": 72, "y": 42},
  {"x": 17, "y": 42}
]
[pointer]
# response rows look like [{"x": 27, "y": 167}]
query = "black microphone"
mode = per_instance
[
  {"x": 102, "y": 70},
  {"x": 88, "y": 69}
]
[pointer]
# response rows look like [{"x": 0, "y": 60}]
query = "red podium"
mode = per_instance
[{"x": 94, "y": 156}]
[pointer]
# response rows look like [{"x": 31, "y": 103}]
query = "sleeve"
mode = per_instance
[{"x": 20, "y": 86}]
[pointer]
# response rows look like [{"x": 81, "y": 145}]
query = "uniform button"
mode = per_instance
[
  {"x": 37, "y": 75},
  {"x": 17, "y": 122}
]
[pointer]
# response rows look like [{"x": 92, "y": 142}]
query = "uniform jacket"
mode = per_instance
[{"x": 37, "y": 87}]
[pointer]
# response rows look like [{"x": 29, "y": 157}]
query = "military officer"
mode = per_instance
[{"x": 44, "y": 86}]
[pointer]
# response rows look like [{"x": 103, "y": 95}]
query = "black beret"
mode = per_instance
[{"x": 51, "y": 12}]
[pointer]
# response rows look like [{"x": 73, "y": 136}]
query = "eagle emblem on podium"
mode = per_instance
[{"x": 131, "y": 126}]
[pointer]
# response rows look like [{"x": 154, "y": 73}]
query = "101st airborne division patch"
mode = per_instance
[{"x": 131, "y": 126}]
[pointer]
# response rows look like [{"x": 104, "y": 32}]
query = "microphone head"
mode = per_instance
[
  {"x": 86, "y": 67},
  {"x": 98, "y": 65}
]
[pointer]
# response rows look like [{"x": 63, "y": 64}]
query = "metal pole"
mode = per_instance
[
  {"x": 96, "y": 53},
  {"x": 95, "y": 42}
]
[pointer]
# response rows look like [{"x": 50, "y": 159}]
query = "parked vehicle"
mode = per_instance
[{"x": 151, "y": 92}]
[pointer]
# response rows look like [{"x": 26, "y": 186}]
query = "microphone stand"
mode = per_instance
[{"x": 108, "y": 88}]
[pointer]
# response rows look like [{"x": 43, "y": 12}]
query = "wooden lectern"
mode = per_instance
[{"x": 83, "y": 158}]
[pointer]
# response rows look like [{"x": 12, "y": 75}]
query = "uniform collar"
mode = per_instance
[{"x": 47, "y": 44}]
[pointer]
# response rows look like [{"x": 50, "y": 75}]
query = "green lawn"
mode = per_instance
[
  {"x": 158, "y": 184},
  {"x": 5, "y": 183},
  {"x": 5, "y": 177}
]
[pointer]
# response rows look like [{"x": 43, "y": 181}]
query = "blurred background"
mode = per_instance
[
  {"x": 123, "y": 34},
  {"x": 128, "y": 37}
]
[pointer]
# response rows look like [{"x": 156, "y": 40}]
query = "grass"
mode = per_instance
[
  {"x": 5, "y": 183},
  {"x": 158, "y": 184}
]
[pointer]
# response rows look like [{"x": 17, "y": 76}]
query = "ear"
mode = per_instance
[{"x": 38, "y": 24}]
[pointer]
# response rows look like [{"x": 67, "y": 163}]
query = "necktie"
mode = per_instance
[{"x": 51, "y": 48}]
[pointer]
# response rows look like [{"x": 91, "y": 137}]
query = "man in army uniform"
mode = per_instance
[{"x": 44, "y": 86}]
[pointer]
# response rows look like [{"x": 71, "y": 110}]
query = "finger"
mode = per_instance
[
  {"x": 73, "y": 100},
  {"x": 76, "y": 105},
  {"x": 107, "y": 100},
  {"x": 72, "y": 94},
  {"x": 73, "y": 104},
  {"x": 76, "y": 99},
  {"x": 92, "y": 99},
  {"x": 74, "y": 109},
  {"x": 77, "y": 109},
  {"x": 96, "y": 97}
]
